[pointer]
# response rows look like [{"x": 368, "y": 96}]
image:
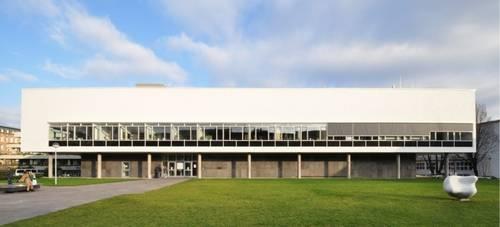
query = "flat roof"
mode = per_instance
[{"x": 252, "y": 88}]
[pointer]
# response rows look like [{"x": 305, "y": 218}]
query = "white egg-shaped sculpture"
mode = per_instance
[{"x": 460, "y": 187}]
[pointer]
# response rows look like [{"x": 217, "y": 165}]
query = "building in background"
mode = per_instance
[
  {"x": 10, "y": 140},
  {"x": 67, "y": 165},
  {"x": 248, "y": 132},
  {"x": 12, "y": 158},
  {"x": 457, "y": 165},
  {"x": 489, "y": 166},
  {"x": 460, "y": 164}
]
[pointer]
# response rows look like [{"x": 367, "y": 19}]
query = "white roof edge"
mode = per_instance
[{"x": 251, "y": 88}]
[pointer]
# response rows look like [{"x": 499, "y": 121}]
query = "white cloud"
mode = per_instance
[
  {"x": 63, "y": 71},
  {"x": 217, "y": 18},
  {"x": 45, "y": 8},
  {"x": 295, "y": 44},
  {"x": 115, "y": 55},
  {"x": 16, "y": 75}
]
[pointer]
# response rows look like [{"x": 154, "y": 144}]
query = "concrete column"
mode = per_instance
[
  {"x": 299, "y": 166},
  {"x": 50, "y": 169},
  {"x": 398, "y": 161},
  {"x": 149, "y": 166},
  {"x": 99, "y": 165},
  {"x": 447, "y": 166},
  {"x": 199, "y": 166},
  {"x": 348, "y": 166},
  {"x": 249, "y": 166}
]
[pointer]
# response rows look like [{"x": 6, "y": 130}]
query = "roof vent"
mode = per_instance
[{"x": 147, "y": 85}]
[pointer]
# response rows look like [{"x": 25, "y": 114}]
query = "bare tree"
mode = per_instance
[
  {"x": 436, "y": 163},
  {"x": 484, "y": 139}
]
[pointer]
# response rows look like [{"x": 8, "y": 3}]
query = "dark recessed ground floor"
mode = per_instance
[{"x": 247, "y": 165}]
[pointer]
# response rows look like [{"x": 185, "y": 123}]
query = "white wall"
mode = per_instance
[{"x": 308, "y": 105}]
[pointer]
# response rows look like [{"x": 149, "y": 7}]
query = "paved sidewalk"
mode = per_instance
[{"x": 22, "y": 205}]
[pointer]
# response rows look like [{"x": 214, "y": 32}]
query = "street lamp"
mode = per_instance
[{"x": 55, "y": 146}]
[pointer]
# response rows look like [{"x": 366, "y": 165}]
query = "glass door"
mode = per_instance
[
  {"x": 179, "y": 169},
  {"x": 188, "y": 170},
  {"x": 171, "y": 169},
  {"x": 125, "y": 169}
]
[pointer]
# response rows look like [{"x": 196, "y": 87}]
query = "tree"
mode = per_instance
[
  {"x": 436, "y": 163},
  {"x": 484, "y": 139}
]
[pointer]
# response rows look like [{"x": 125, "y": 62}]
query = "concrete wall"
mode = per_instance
[
  {"x": 263, "y": 165},
  {"x": 112, "y": 165},
  {"x": 324, "y": 165},
  {"x": 224, "y": 165},
  {"x": 382, "y": 166}
]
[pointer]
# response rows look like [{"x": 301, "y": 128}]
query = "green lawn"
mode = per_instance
[
  {"x": 73, "y": 181},
  {"x": 317, "y": 202}
]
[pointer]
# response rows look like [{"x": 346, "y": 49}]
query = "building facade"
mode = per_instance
[
  {"x": 489, "y": 166},
  {"x": 10, "y": 140},
  {"x": 248, "y": 132},
  {"x": 458, "y": 164},
  {"x": 67, "y": 165}
]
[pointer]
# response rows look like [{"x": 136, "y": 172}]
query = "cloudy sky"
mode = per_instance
[{"x": 232, "y": 43}]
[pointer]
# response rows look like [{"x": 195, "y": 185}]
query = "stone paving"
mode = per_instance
[{"x": 22, "y": 205}]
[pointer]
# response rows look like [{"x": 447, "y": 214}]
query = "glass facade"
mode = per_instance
[{"x": 240, "y": 134}]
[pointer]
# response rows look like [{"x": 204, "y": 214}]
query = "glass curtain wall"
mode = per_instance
[{"x": 237, "y": 134}]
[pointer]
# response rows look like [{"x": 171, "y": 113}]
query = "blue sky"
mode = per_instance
[{"x": 232, "y": 43}]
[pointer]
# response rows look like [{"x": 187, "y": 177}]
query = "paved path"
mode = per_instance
[{"x": 22, "y": 205}]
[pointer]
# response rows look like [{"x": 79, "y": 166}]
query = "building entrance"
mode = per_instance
[{"x": 179, "y": 165}]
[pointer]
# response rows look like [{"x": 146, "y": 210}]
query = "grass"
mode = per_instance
[
  {"x": 72, "y": 181},
  {"x": 306, "y": 202}
]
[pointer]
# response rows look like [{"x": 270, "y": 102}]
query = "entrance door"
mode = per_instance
[
  {"x": 125, "y": 169},
  {"x": 188, "y": 169},
  {"x": 171, "y": 169},
  {"x": 179, "y": 169}
]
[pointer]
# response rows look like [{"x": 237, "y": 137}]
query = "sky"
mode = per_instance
[{"x": 258, "y": 43}]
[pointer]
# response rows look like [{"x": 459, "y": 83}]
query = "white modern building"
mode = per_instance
[{"x": 248, "y": 132}]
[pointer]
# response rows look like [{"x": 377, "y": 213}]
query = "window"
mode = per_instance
[
  {"x": 313, "y": 133},
  {"x": 441, "y": 136},
  {"x": 193, "y": 133},
  {"x": 81, "y": 132},
  {"x": 246, "y": 133},
  {"x": 71, "y": 132},
  {"x": 287, "y": 133},
  {"x": 167, "y": 133},
  {"x": 262, "y": 133},
  {"x": 236, "y": 133},
  {"x": 132, "y": 133},
  {"x": 451, "y": 136},
  {"x": 220, "y": 132},
  {"x": 467, "y": 136},
  {"x": 210, "y": 133},
  {"x": 158, "y": 133},
  {"x": 55, "y": 133},
  {"x": 226, "y": 133},
  {"x": 271, "y": 132},
  {"x": 184, "y": 133}
]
